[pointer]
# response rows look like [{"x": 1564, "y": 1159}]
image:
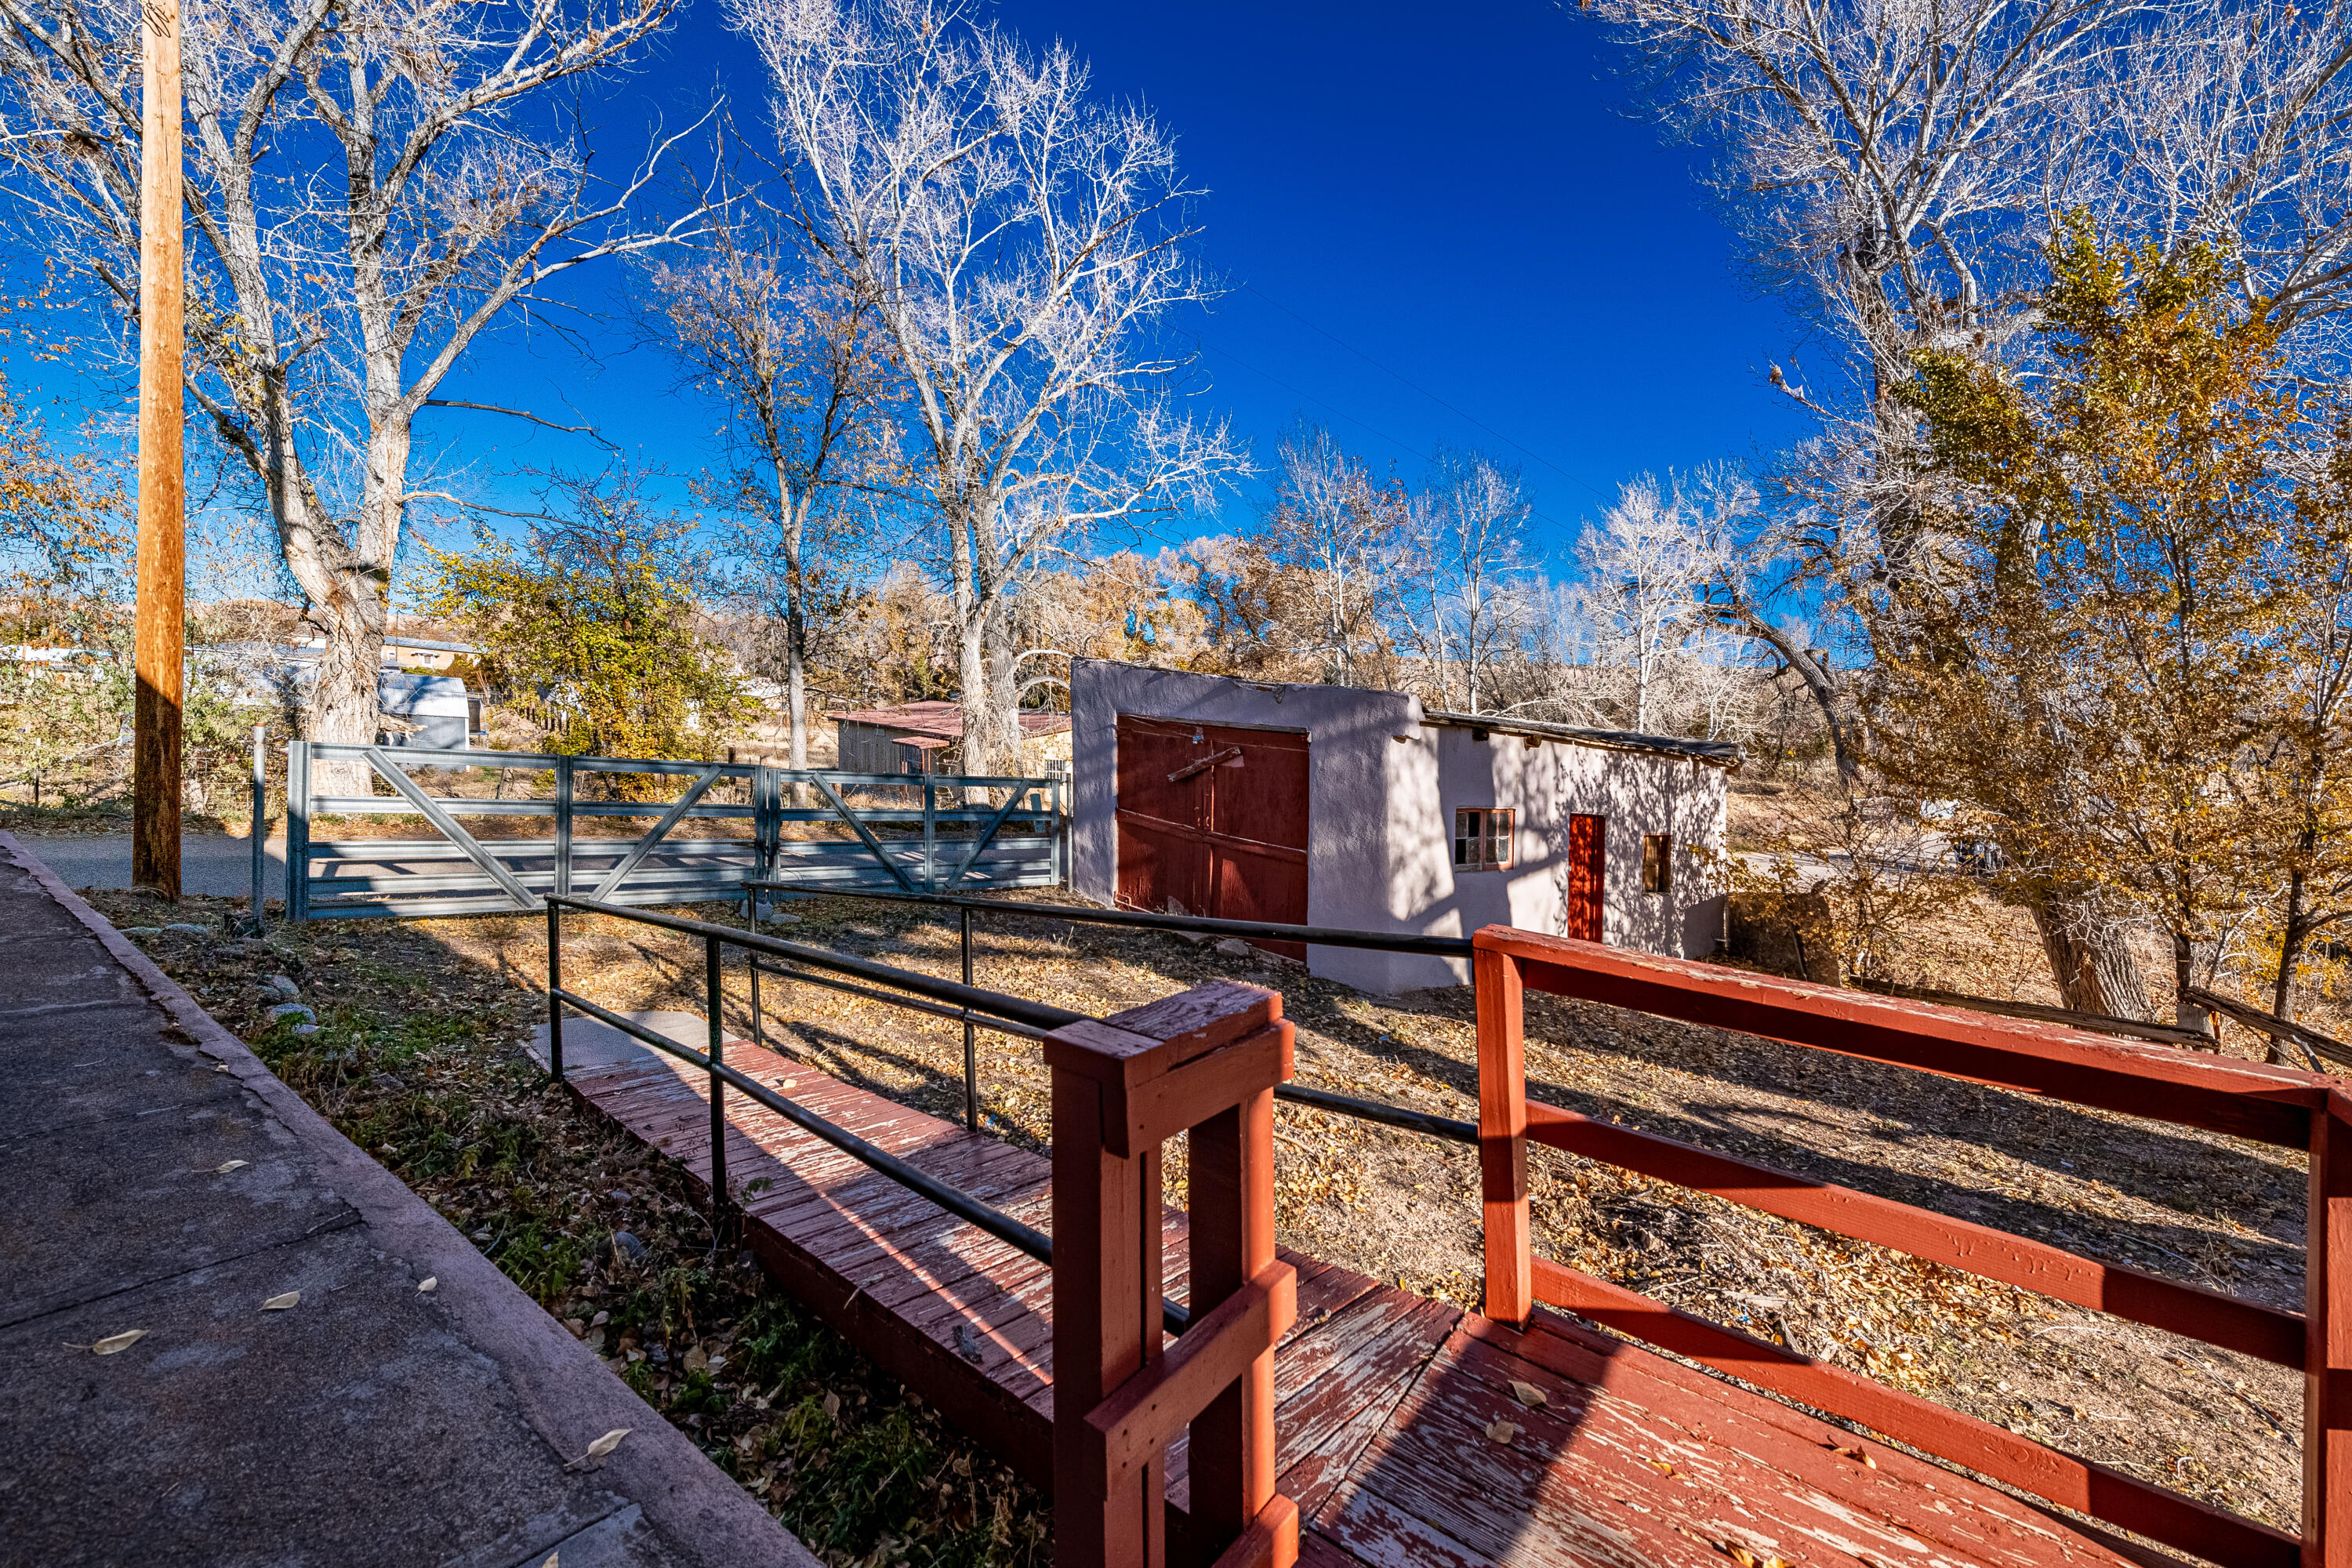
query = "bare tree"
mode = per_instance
[
  {"x": 1648, "y": 565},
  {"x": 372, "y": 185},
  {"x": 1900, "y": 161},
  {"x": 1020, "y": 243},
  {"x": 794, "y": 361},
  {"x": 1475, "y": 586},
  {"x": 1346, "y": 540}
]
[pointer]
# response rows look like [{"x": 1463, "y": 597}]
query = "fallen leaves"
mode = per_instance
[
  {"x": 286, "y": 1303},
  {"x": 113, "y": 1342},
  {"x": 601, "y": 1448},
  {"x": 430, "y": 1283},
  {"x": 1856, "y": 1452},
  {"x": 1528, "y": 1394},
  {"x": 224, "y": 1168},
  {"x": 1502, "y": 1432}
]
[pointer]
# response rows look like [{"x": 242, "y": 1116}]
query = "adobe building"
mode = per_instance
[{"x": 1336, "y": 807}]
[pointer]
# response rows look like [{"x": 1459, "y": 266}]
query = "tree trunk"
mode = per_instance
[
  {"x": 1817, "y": 683},
  {"x": 2090, "y": 957},
  {"x": 979, "y": 721},
  {"x": 1004, "y": 688},
  {"x": 2291, "y": 939},
  {"x": 2187, "y": 1014},
  {"x": 795, "y": 630}
]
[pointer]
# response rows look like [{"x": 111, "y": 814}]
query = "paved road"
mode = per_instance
[
  {"x": 210, "y": 863},
  {"x": 159, "y": 1179}
]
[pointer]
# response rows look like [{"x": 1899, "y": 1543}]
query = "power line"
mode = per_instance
[{"x": 1417, "y": 387}]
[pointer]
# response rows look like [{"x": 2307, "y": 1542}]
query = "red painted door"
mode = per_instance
[
  {"x": 1588, "y": 857},
  {"x": 1212, "y": 821}
]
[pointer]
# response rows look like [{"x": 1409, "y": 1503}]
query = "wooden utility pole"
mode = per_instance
[{"x": 160, "y": 657}]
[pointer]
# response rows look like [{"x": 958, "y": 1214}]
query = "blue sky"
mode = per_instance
[
  {"x": 1463, "y": 197},
  {"x": 1469, "y": 196}
]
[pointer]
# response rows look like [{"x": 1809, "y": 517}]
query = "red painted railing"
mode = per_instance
[
  {"x": 2274, "y": 1105},
  {"x": 1202, "y": 1063}
]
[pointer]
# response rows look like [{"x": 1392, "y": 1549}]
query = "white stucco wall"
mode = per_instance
[
  {"x": 1383, "y": 788},
  {"x": 1349, "y": 841}
]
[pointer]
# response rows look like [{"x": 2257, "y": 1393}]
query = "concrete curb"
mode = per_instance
[{"x": 567, "y": 1394}]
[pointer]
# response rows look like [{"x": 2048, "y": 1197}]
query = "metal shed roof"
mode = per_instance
[{"x": 1722, "y": 754}]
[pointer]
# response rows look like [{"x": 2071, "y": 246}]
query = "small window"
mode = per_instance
[
  {"x": 1482, "y": 839},
  {"x": 1657, "y": 862}
]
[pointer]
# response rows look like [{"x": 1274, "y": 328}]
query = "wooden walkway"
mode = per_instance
[{"x": 1386, "y": 1401}]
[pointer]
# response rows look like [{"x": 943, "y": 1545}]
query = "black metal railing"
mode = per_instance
[
  {"x": 716, "y": 940},
  {"x": 972, "y": 1006},
  {"x": 1143, "y": 920},
  {"x": 1448, "y": 1128}
]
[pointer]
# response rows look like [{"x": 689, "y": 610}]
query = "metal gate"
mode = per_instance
[{"x": 815, "y": 829}]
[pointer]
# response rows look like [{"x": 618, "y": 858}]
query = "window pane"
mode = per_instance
[{"x": 1657, "y": 862}]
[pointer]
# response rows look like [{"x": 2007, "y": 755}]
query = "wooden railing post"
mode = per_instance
[
  {"x": 1205, "y": 1063},
  {"x": 2327, "y": 1363},
  {"x": 1503, "y": 1134}
]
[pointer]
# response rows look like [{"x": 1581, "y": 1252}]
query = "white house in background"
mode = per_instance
[{"x": 1334, "y": 806}]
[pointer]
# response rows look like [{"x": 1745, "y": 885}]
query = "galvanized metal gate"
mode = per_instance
[{"x": 847, "y": 830}]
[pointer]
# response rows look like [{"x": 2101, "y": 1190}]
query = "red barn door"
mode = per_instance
[
  {"x": 1212, "y": 821},
  {"x": 1588, "y": 855}
]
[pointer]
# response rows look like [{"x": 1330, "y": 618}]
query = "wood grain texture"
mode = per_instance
[
  {"x": 2270, "y": 1104},
  {"x": 1502, "y": 1133},
  {"x": 159, "y": 654},
  {"x": 2208, "y": 1315},
  {"x": 2327, "y": 1374},
  {"x": 1381, "y": 1398}
]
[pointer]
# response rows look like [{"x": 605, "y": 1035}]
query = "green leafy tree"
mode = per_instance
[
  {"x": 595, "y": 615},
  {"x": 2090, "y": 655}
]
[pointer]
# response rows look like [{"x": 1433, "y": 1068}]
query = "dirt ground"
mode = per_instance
[{"x": 2193, "y": 1207}]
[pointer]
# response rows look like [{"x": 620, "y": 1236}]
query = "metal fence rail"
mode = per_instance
[
  {"x": 716, "y": 937},
  {"x": 839, "y": 831},
  {"x": 1443, "y": 1127}
]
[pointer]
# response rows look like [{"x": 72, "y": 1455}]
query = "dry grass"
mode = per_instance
[
  {"x": 2202, "y": 1208},
  {"x": 417, "y": 1060}
]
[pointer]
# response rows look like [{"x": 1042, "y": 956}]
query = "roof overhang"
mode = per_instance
[{"x": 1722, "y": 754}]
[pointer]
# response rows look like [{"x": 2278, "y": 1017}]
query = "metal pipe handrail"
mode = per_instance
[
  {"x": 954, "y": 1200},
  {"x": 959, "y": 1015},
  {"x": 995, "y": 1004},
  {"x": 1397, "y": 1116},
  {"x": 1255, "y": 930},
  {"x": 987, "y": 1009}
]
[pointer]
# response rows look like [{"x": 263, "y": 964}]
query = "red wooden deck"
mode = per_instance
[{"x": 1385, "y": 1400}]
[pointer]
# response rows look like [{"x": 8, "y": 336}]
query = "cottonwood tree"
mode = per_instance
[
  {"x": 2115, "y": 599},
  {"x": 1125, "y": 606},
  {"x": 372, "y": 185},
  {"x": 1647, "y": 566},
  {"x": 1021, "y": 244},
  {"x": 796, "y": 361},
  {"x": 1475, "y": 592},
  {"x": 1895, "y": 163},
  {"x": 1348, "y": 543},
  {"x": 2295, "y": 784}
]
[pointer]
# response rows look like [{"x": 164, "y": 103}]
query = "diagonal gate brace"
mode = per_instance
[
  {"x": 981, "y": 840},
  {"x": 654, "y": 834},
  {"x": 389, "y": 770},
  {"x": 873, "y": 844}
]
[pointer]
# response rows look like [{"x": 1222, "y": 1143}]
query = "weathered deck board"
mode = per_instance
[{"x": 1383, "y": 1399}]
